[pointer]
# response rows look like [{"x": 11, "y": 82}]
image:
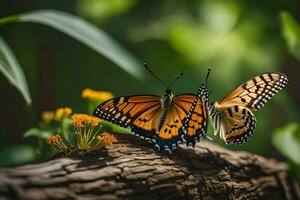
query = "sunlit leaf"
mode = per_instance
[
  {"x": 291, "y": 33},
  {"x": 115, "y": 128},
  {"x": 88, "y": 34},
  {"x": 287, "y": 141},
  {"x": 35, "y": 132},
  {"x": 16, "y": 155},
  {"x": 101, "y": 9},
  {"x": 11, "y": 69}
]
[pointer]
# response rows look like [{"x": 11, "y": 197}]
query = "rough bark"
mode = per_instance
[{"x": 131, "y": 169}]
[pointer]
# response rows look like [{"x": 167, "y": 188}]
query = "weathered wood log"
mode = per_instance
[{"x": 131, "y": 169}]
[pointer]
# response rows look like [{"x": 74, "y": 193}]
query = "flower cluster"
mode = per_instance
[
  {"x": 75, "y": 132},
  {"x": 82, "y": 120},
  {"x": 96, "y": 95},
  {"x": 57, "y": 141},
  {"x": 58, "y": 114},
  {"x": 87, "y": 130},
  {"x": 106, "y": 139},
  {"x": 47, "y": 116}
]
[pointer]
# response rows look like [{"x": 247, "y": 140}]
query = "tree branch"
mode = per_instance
[{"x": 131, "y": 169}]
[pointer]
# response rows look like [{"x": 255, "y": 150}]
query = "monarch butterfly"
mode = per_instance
[
  {"x": 167, "y": 121},
  {"x": 233, "y": 117}
]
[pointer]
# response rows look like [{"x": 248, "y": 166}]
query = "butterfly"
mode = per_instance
[
  {"x": 167, "y": 121},
  {"x": 233, "y": 117}
]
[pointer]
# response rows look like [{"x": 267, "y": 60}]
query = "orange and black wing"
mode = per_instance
[
  {"x": 179, "y": 116},
  {"x": 124, "y": 110},
  {"x": 194, "y": 110},
  {"x": 236, "y": 124},
  {"x": 142, "y": 114},
  {"x": 256, "y": 92},
  {"x": 233, "y": 117}
]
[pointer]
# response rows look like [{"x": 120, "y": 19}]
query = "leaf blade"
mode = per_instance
[
  {"x": 12, "y": 70},
  {"x": 35, "y": 132},
  {"x": 287, "y": 141},
  {"x": 89, "y": 35},
  {"x": 291, "y": 33}
]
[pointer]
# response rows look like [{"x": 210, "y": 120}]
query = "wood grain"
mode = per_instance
[{"x": 131, "y": 169}]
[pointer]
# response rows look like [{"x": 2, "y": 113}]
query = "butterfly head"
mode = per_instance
[{"x": 168, "y": 93}]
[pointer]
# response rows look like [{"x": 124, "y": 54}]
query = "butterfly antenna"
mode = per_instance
[
  {"x": 206, "y": 80},
  {"x": 151, "y": 72},
  {"x": 178, "y": 77}
]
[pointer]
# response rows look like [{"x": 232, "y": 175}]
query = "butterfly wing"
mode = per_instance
[
  {"x": 256, "y": 92},
  {"x": 232, "y": 117},
  {"x": 236, "y": 124},
  {"x": 124, "y": 110},
  {"x": 171, "y": 133},
  {"x": 195, "y": 115}
]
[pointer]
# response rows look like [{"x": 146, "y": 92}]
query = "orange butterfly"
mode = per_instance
[
  {"x": 233, "y": 117},
  {"x": 167, "y": 121}
]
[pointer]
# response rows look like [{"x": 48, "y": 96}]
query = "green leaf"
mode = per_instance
[
  {"x": 115, "y": 128},
  {"x": 291, "y": 33},
  {"x": 16, "y": 155},
  {"x": 84, "y": 32},
  {"x": 66, "y": 129},
  {"x": 11, "y": 69},
  {"x": 35, "y": 132},
  {"x": 287, "y": 141}
]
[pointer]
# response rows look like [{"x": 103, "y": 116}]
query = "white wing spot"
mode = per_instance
[
  {"x": 118, "y": 115},
  {"x": 123, "y": 118}
]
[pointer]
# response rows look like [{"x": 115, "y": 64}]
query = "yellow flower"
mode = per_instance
[
  {"x": 53, "y": 139},
  {"x": 106, "y": 139},
  {"x": 96, "y": 95},
  {"x": 81, "y": 120},
  {"x": 62, "y": 112},
  {"x": 86, "y": 131},
  {"x": 56, "y": 141},
  {"x": 47, "y": 116}
]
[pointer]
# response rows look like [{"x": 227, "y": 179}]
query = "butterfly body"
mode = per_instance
[
  {"x": 233, "y": 117},
  {"x": 167, "y": 121},
  {"x": 166, "y": 103}
]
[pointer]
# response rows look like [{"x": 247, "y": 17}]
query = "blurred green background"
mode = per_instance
[{"x": 237, "y": 39}]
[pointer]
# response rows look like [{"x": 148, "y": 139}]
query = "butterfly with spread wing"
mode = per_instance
[
  {"x": 233, "y": 117},
  {"x": 167, "y": 121}
]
